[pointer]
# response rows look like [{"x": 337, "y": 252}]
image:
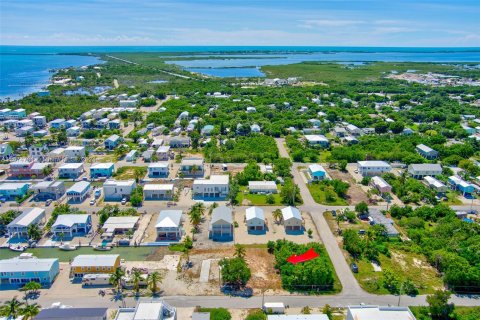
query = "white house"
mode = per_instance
[
  {"x": 56, "y": 155},
  {"x": 379, "y": 313},
  {"x": 435, "y": 184},
  {"x": 70, "y": 170},
  {"x": 18, "y": 228},
  {"x": 292, "y": 219},
  {"x": 215, "y": 187},
  {"x": 221, "y": 224},
  {"x": 49, "y": 190},
  {"x": 163, "y": 152},
  {"x": 255, "y": 219},
  {"x": 158, "y": 170},
  {"x": 79, "y": 191},
  {"x": 74, "y": 153},
  {"x": 317, "y": 140},
  {"x": 192, "y": 167},
  {"x": 373, "y": 168},
  {"x": 420, "y": 170},
  {"x": 116, "y": 190},
  {"x": 169, "y": 225},
  {"x": 262, "y": 186},
  {"x": 158, "y": 191},
  {"x": 353, "y": 130},
  {"x": 70, "y": 225},
  {"x": 381, "y": 185},
  {"x": 119, "y": 225}
]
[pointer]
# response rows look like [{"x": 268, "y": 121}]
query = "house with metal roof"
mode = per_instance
[
  {"x": 373, "y": 168},
  {"x": 156, "y": 191},
  {"x": 365, "y": 312},
  {"x": 18, "y": 228},
  {"x": 70, "y": 225},
  {"x": 427, "y": 152},
  {"x": 221, "y": 224},
  {"x": 420, "y": 170},
  {"x": 179, "y": 142},
  {"x": 70, "y": 170},
  {"x": 263, "y": 187},
  {"x": 153, "y": 309},
  {"x": 116, "y": 190},
  {"x": 317, "y": 172},
  {"x": 169, "y": 225},
  {"x": 73, "y": 313},
  {"x": 163, "y": 153},
  {"x": 216, "y": 187},
  {"x": 94, "y": 263},
  {"x": 255, "y": 219},
  {"x": 112, "y": 142},
  {"x": 13, "y": 190},
  {"x": 119, "y": 225},
  {"x": 317, "y": 140},
  {"x": 74, "y": 153},
  {"x": 78, "y": 192},
  {"x": 381, "y": 185},
  {"x": 379, "y": 218},
  {"x": 292, "y": 219},
  {"x": 49, "y": 190},
  {"x": 319, "y": 316},
  {"x": 192, "y": 167},
  {"x": 18, "y": 271},
  {"x": 436, "y": 185},
  {"x": 456, "y": 183},
  {"x": 102, "y": 170},
  {"x": 158, "y": 170}
]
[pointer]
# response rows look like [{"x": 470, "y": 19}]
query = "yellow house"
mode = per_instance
[{"x": 94, "y": 263}]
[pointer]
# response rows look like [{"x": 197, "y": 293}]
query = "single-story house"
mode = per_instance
[
  {"x": 317, "y": 140},
  {"x": 353, "y": 130},
  {"x": 70, "y": 170},
  {"x": 255, "y": 219},
  {"x": 154, "y": 309},
  {"x": 292, "y": 219},
  {"x": 56, "y": 155},
  {"x": 339, "y": 132},
  {"x": 131, "y": 156},
  {"x": 94, "y": 263},
  {"x": 71, "y": 224},
  {"x": 158, "y": 191},
  {"x": 420, "y": 170},
  {"x": 17, "y": 272},
  {"x": 119, "y": 225},
  {"x": 13, "y": 190},
  {"x": 18, "y": 228},
  {"x": 169, "y": 225},
  {"x": 435, "y": 184},
  {"x": 349, "y": 140},
  {"x": 192, "y": 167},
  {"x": 373, "y": 168},
  {"x": 379, "y": 218},
  {"x": 221, "y": 224},
  {"x": 427, "y": 152},
  {"x": 79, "y": 191},
  {"x": 461, "y": 185},
  {"x": 104, "y": 170},
  {"x": 216, "y": 187},
  {"x": 262, "y": 187},
  {"x": 317, "y": 172},
  {"x": 49, "y": 190},
  {"x": 116, "y": 190},
  {"x": 365, "y": 312},
  {"x": 381, "y": 185},
  {"x": 158, "y": 170}
]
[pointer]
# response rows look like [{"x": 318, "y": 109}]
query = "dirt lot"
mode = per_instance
[
  {"x": 355, "y": 193},
  {"x": 233, "y": 168}
]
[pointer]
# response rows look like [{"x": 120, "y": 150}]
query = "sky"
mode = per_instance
[{"x": 389, "y": 23}]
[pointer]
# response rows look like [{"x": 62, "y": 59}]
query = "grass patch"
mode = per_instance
[
  {"x": 462, "y": 313},
  {"x": 257, "y": 199},
  {"x": 324, "y": 155},
  {"x": 452, "y": 198},
  {"x": 324, "y": 194},
  {"x": 130, "y": 172},
  {"x": 217, "y": 313}
]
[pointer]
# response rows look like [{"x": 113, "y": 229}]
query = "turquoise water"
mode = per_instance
[{"x": 25, "y": 69}]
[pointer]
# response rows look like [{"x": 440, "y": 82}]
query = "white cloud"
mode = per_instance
[{"x": 329, "y": 23}]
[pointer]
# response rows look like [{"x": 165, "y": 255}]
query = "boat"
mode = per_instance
[
  {"x": 100, "y": 247},
  {"x": 67, "y": 247},
  {"x": 17, "y": 248}
]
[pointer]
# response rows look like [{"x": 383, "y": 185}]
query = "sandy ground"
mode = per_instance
[{"x": 355, "y": 193}]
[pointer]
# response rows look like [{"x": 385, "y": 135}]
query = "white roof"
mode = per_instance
[
  {"x": 71, "y": 166},
  {"x": 426, "y": 167},
  {"x": 214, "y": 179},
  {"x": 105, "y": 165},
  {"x": 291, "y": 212},
  {"x": 380, "y": 313},
  {"x": 113, "y": 223},
  {"x": 26, "y": 265},
  {"x": 12, "y": 185},
  {"x": 119, "y": 183},
  {"x": 95, "y": 260},
  {"x": 192, "y": 162},
  {"x": 72, "y": 148},
  {"x": 27, "y": 217},
  {"x": 158, "y": 165},
  {"x": 57, "y": 151},
  {"x": 315, "y": 138},
  {"x": 222, "y": 213},
  {"x": 254, "y": 212},
  {"x": 316, "y": 168},
  {"x": 266, "y": 185},
  {"x": 79, "y": 187},
  {"x": 148, "y": 311},
  {"x": 373, "y": 163},
  {"x": 169, "y": 219},
  {"x": 434, "y": 182},
  {"x": 163, "y": 149},
  {"x": 70, "y": 219},
  {"x": 297, "y": 317},
  {"x": 157, "y": 186},
  {"x": 380, "y": 182}
]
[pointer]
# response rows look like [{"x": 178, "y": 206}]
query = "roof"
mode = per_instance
[
  {"x": 316, "y": 168},
  {"x": 72, "y": 148},
  {"x": 27, "y": 217},
  {"x": 316, "y": 138},
  {"x": 379, "y": 218},
  {"x": 106, "y": 165},
  {"x": 157, "y": 187},
  {"x": 201, "y": 316},
  {"x": 162, "y": 149},
  {"x": 192, "y": 162},
  {"x": 297, "y": 317},
  {"x": 158, "y": 165},
  {"x": 424, "y": 148},
  {"x": 12, "y": 185},
  {"x": 434, "y": 182},
  {"x": 113, "y": 223},
  {"x": 72, "y": 314},
  {"x": 373, "y": 163},
  {"x": 113, "y": 138},
  {"x": 291, "y": 212},
  {"x": 95, "y": 260},
  {"x": 79, "y": 187},
  {"x": 426, "y": 167},
  {"x": 71, "y": 219},
  {"x": 148, "y": 310},
  {"x": 119, "y": 183},
  {"x": 254, "y": 213},
  {"x": 265, "y": 185},
  {"x": 18, "y": 264},
  {"x": 380, "y": 313},
  {"x": 71, "y": 166},
  {"x": 380, "y": 182},
  {"x": 222, "y": 213},
  {"x": 169, "y": 219},
  {"x": 214, "y": 179}
]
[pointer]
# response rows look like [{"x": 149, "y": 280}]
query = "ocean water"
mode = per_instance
[{"x": 25, "y": 69}]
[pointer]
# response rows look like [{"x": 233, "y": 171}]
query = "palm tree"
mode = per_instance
[
  {"x": 153, "y": 280},
  {"x": 30, "y": 288},
  {"x": 137, "y": 277},
  {"x": 277, "y": 215},
  {"x": 138, "y": 174},
  {"x": 240, "y": 251},
  {"x": 30, "y": 311},
  {"x": 195, "y": 218},
  {"x": 13, "y": 308},
  {"x": 194, "y": 169},
  {"x": 34, "y": 232},
  {"x": 116, "y": 278}
]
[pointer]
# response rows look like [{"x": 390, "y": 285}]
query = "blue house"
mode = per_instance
[
  {"x": 11, "y": 190},
  {"x": 114, "y": 124},
  {"x": 18, "y": 114},
  {"x": 104, "y": 170},
  {"x": 461, "y": 185},
  {"x": 317, "y": 172},
  {"x": 57, "y": 123},
  {"x": 112, "y": 142},
  {"x": 16, "y": 272},
  {"x": 70, "y": 225},
  {"x": 207, "y": 130}
]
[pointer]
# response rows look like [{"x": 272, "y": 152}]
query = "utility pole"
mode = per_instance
[{"x": 400, "y": 294}]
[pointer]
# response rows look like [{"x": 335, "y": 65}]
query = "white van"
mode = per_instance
[{"x": 100, "y": 279}]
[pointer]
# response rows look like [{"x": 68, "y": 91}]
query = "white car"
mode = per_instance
[
  {"x": 92, "y": 202},
  {"x": 124, "y": 201}
]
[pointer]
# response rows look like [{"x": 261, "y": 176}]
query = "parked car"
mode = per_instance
[
  {"x": 124, "y": 201},
  {"x": 48, "y": 202},
  {"x": 354, "y": 267},
  {"x": 92, "y": 202},
  {"x": 334, "y": 213},
  {"x": 361, "y": 231}
]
